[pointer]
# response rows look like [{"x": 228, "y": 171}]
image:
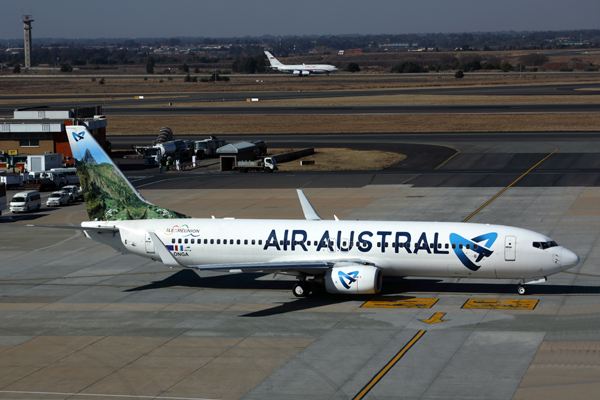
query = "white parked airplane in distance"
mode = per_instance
[
  {"x": 340, "y": 256},
  {"x": 300, "y": 70}
]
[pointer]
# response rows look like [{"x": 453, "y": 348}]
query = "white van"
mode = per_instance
[{"x": 26, "y": 201}]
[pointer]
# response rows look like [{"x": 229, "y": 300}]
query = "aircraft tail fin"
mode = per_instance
[
  {"x": 274, "y": 62},
  {"x": 108, "y": 194}
]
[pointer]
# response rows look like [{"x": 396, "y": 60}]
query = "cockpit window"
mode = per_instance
[{"x": 544, "y": 245}]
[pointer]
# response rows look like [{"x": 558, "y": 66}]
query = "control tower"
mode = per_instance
[{"x": 27, "y": 47}]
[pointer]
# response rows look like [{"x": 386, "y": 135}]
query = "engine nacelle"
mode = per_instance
[
  {"x": 297, "y": 72},
  {"x": 353, "y": 278},
  {"x": 305, "y": 72}
]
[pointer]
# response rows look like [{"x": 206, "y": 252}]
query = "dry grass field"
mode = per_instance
[
  {"x": 290, "y": 124},
  {"x": 341, "y": 160}
]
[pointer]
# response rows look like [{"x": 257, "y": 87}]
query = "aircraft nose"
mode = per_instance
[{"x": 569, "y": 259}]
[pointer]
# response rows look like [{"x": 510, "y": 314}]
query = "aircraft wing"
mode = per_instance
[{"x": 314, "y": 267}]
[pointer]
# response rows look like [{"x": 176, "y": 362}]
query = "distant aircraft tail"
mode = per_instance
[
  {"x": 108, "y": 195},
  {"x": 274, "y": 62}
]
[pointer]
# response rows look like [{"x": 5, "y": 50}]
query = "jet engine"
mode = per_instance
[
  {"x": 305, "y": 72},
  {"x": 353, "y": 278}
]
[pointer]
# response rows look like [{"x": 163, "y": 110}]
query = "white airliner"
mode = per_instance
[
  {"x": 301, "y": 70},
  {"x": 341, "y": 256}
]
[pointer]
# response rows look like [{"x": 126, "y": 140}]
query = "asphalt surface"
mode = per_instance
[
  {"x": 157, "y": 104},
  {"x": 453, "y": 160}
]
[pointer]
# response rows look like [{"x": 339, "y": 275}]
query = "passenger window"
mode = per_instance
[
  {"x": 287, "y": 242},
  {"x": 185, "y": 241},
  {"x": 468, "y": 246},
  {"x": 386, "y": 244},
  {"x": 474, "y": 247},
  {"x": 308, "y": 243},
  {"x": 280, "y": 242},
  {"x": 316, "y": 243},
  {"x": 378, "y": 244},
  {"x": 453, "y": 245},
  {"x": 253, "y": 241},
  {"x": 212, "y": 241},
  {"x": 460, "y": 246},
  {"x": 446, "y": 246},
  {"x": 179, "y": 241},
  {"x": 401, "y": 245},
  {"x": 173, "y": 240},
  {"x": 224, "y": 241},
  {"x": 218, "y": 241},
  {"x": 246, "y": 241},
  {"x": 205, "y": 240},
  {"x": 260, "y": 242},
  {"x": 238, "y": 241},
  {"x": 192, "y": 241}
]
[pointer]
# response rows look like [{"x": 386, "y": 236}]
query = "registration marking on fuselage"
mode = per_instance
[
  {"x": 500, "y": 304},
  {"x": 399, "y": 303}
]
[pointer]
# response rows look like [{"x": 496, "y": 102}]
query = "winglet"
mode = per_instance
[
  {"x": 165, "y": 256},
  {"x": 309, "y": 212}
]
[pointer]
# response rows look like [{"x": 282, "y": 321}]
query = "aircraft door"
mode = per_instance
[
  {"x": 510, "y": 248},
  {"x": 149, "y": 243}
]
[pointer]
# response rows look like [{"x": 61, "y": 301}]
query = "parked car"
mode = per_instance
[
  {"x": 57, "y": 199},
  {"x": 26, "y": 201},
  {"x": 75, "y": 193}
]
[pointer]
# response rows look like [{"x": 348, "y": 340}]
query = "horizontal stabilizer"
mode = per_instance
[{"x": 112, "y": 229}]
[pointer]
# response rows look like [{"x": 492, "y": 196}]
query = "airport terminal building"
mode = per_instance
[{"x": 42, "y": 130}]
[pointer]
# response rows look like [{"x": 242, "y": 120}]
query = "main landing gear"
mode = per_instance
[
  {"x": 301, "y": 289},
  {"x": 522, "y": 289}
]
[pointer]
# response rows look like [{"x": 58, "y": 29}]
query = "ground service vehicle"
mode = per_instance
[
  {"x": 2, "y": 197},
  {"x": 154, "y": 154},
  {"x": 267, "y": 165},
  {"x": 45, "y": 181},
  {"x": 12, "y": 181},
  {"x": 208, "y": 147},
  {"x": 58, "y": 199},
  {"x": 70, "y": 174},
  {"x": 26, "y": 201}
]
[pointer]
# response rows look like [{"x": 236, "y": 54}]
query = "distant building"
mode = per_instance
[{"x": 42, "y": 130}]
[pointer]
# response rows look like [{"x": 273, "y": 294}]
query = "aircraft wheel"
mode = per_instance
[
  {"x": 522, "y": 289},
  {"x": 301, "y": 289}
]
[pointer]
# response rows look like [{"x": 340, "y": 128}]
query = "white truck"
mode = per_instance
[
  {"x": 267, "y": 165},
  {"x": 208, "y": 147},
  {"x": 11, "y": 181},
  {"x": 75, "y": 193},
  {"x": 154, "y": 154},
  {"x": 45, "y": 180}
]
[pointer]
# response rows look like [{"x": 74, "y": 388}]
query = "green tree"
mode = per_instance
[
  {"x": 187, "y": 78},
  {"x": 102, "y": 81},
  {"x": 66, "y": 68},
  {"x": 459, "y": 74},
  {"x": 196, "y": 70},
  {"x": 505, "y": 66},
  {"x": 17, "y": 69},
  {"x": 407, "y": 67},
  {"x": 353, "y": 67},
  {"x": 185, "y": 68},
  {"x": 150, "y": 65}
]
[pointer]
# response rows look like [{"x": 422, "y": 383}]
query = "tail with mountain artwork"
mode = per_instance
[{"x": 108, "y": 195}]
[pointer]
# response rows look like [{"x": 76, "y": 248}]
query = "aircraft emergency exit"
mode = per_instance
[
  {"x": 300, "y": 69},
  {"x": 340, "y": 256}
]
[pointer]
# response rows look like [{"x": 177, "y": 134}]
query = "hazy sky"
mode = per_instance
[{"x": 225, "y": 18}]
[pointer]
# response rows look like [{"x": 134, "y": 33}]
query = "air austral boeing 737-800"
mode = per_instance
[
  {"x": 300, "y": 69},
  {"x": 341, "y": 256}
]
